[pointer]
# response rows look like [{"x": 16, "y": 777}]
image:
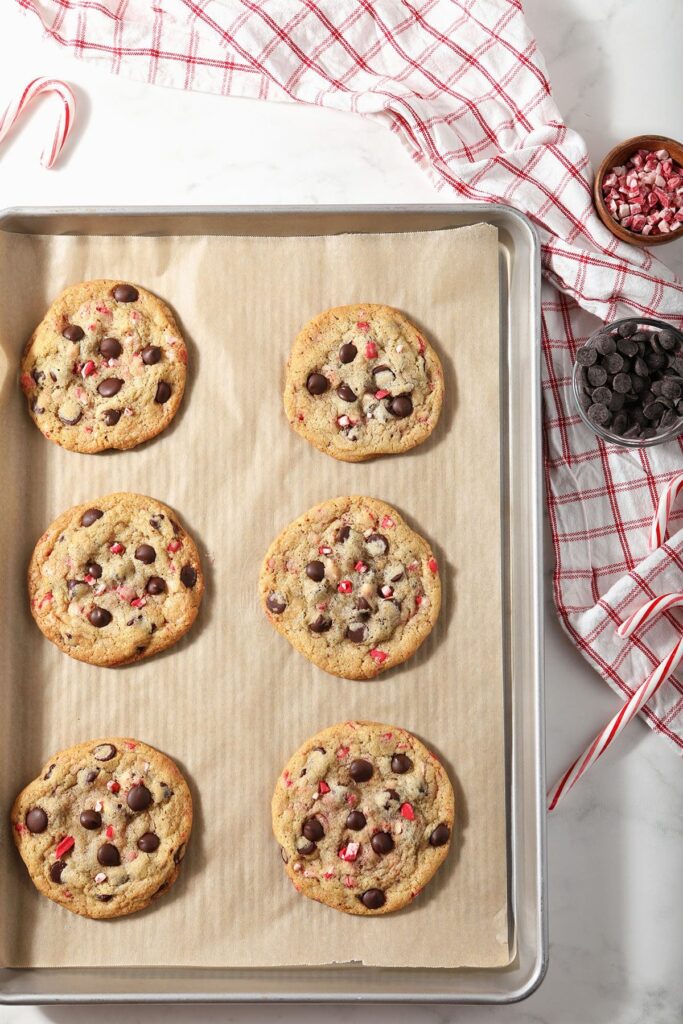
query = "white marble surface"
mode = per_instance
[{"x": 616, "y": 887}]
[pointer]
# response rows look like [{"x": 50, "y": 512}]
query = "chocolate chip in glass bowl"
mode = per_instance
[
  {"x": 613, "y": 363},
  {"x": 627, "y": 347},
  {"x": 587, "y": 355},
  {"x": 603, "y": 395},
  {"x": 606, "y": 345},
  {"x": 628, "y": 391},
  {"x": 597, "y": 375},
  {"x": 600, "y": 414}
]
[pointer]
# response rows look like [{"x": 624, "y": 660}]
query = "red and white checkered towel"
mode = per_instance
[{"x": 463, "y": 85}]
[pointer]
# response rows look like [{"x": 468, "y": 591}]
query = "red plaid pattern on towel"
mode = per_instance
[{"x": 463, "y": 85}]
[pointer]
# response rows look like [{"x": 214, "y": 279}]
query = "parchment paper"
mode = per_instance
[{"x": 233, "y": 700}]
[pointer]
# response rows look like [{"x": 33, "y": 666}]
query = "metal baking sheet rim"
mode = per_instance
[{"x": 522, "y": 478}]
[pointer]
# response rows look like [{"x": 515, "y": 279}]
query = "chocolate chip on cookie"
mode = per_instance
[
  {"x": 440, "y": 836},
  {"x": 315, "y": 571},
  {"x": 352, "y": 587},
  {"x": 163, "y": 392},
  {"x": 151, "y": 354},
  {"x": 101, "y": 340},
  {"x": 377, "y": 856},
  {"x": 347, "y": 352},
  {"x": 110, "y": 348},
  {"x": 125, "y": 293},
  {"x": 373, "y": 899},
  {"x": 356, "y": 820},
  {"x": 346, "y": 393},
  {"x": 89, "y": 851},
  {"x": 155, "y": 585},
  {"x": 320, "y": 625},
  {"x": 90, "y": 819},
  {"x": 109, "y": 387},
  {"x": 136, "y": 584},
  {"x": 99, "y": 617},
  {"x": 382, "y": 843},
  {"x": 360, "y": 770},
  {"x": 36, "y": 820},
  {"x": 401, "y": 763},
  {"x": 103, "y": 752},
  {"x": 188, "y": 576},
  {"x": 90, "y": 516},
  {"x": 401, "y": 406},
  {"x": 149, "y": 842},
  {"x": 72, "y": 332},
  {"x": 317, "y": 384},
  {"x": 139, "y": 797},
  {"x": 146, "y": 553}
]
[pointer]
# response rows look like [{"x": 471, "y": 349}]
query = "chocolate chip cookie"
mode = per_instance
[
  {"x": 115, "y": 580},
  {"x": 364, "y": 815},
  {"x": 351, "y": 587},
  {"x": 103, "y": 829},
  {"x": 105, "y": 368},
  {"x": 362, "y": 381}
]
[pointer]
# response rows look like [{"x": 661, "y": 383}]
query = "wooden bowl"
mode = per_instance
[{"x": 615, "y": 158}]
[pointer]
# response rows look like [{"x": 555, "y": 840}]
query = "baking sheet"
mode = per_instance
[{"x": 232, "y": 701}]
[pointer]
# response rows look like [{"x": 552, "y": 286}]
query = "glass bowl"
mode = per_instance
[{"x": 629, "y": 330}]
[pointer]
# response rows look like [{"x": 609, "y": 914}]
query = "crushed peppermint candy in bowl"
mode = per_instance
[{"x": 638, "y": 190}]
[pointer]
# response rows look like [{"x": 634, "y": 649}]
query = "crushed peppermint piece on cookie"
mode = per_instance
[{"x": 66, "y": 844}]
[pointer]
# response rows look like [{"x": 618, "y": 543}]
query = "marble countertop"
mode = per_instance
[{"x": 615, "y": 846}]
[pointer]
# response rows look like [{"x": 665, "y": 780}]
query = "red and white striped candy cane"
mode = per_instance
[
  {"x": 631, "y": 708},
  {"x": 64, "y": 124},
  {"x": 650, "y": 610},
  {"x": 660, "y": 520}
]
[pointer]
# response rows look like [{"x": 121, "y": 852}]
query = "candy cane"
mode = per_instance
[
  {"x": 64, "y": 124},
  {"x": 660, "y": 520},
  {"x": 635, "y": 703},
  {"x": 657, "y": 606}
]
